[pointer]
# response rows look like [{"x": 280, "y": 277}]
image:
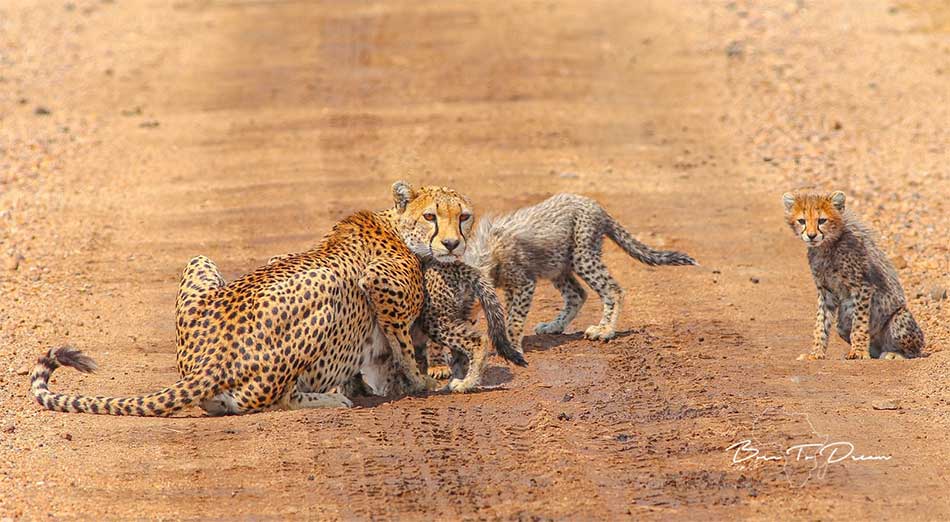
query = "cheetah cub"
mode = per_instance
[
  {"x": 854, "y": 280},
  {"x": 557, "y": 239}
]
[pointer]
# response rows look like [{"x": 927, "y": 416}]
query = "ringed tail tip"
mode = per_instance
[{"x": 74, "y": 358}]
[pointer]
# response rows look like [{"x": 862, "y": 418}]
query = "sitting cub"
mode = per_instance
[{"x": 854, "y": 279}]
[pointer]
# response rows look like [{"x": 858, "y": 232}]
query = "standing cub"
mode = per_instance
[
  {"x": 558, "y": 239},
  {"x": 854, "y": 279}
]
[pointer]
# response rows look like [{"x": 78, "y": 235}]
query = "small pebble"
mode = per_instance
[
  {"x": 735, "y": 49},
  {"x": 938, "y": 293},
  {"x": 886, "y": 405},
  {"x": 12, "y": 263}
]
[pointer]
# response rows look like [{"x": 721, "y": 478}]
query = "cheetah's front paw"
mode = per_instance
[
  {"x": 439, "y": 372},
  {"x": 600, "y": 333},
  {"x": 430, "y": 383},
  {"x": 424, "y": 384},
  {"x": 552, "y": 327},
  {"x": 857, "y": 354},
  {"x": 811, "y": 356}
]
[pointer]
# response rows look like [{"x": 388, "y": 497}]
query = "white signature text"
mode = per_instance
[{"x": 830, "y": 453}]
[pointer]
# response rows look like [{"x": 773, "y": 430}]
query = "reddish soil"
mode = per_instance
[{"x": 134, "y": 135}]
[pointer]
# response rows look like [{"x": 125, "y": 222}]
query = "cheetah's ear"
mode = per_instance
[
  {"x": 837, "y": 199},
  {"x": 789, "y": 200},
  {"x": 403, "y": 193}
]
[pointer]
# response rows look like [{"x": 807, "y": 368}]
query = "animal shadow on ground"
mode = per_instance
[
  {"x": 494, "y": 379},
  {"x": 545, "y": 342}
]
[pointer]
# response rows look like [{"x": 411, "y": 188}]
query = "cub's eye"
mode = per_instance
[
  {"x": 801, "y": 221},
  {"x": 464, "y": 217},
  {"x": 429, "y": 216},
  {"x": 822, "y": 221}
]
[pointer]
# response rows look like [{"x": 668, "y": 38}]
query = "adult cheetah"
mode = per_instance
[
  {"x": 453, "y": 291},
  {"x": 288, "y": 333}
]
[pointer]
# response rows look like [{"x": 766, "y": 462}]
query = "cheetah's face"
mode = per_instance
[
  {"x": 434, "y": 222},
  {"x": 815, "y": 218}
]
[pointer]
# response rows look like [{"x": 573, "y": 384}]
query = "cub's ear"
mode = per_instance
[
  {"x": 837, "y": 199},
  {"x": 789, "y": 200},
  {"x": 403, "y": 193}
]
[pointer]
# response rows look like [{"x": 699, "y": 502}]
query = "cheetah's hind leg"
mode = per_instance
[
  {"x": 574, "y": 297},
  {"x": 298, "y": 400},
  {"x": 903, "y": 337},
  {"x": 587, "y": 264},
  {"x": 467, "y": 344},
  {"x": 200, "y": 278}
]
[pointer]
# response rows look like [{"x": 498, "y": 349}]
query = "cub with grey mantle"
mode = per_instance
[{"x": 558, "y": 239}]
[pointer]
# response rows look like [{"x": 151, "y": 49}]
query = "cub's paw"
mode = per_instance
[
  {"x": 811, "y": 356},
  {"x": 552, "y": 327},
  {"x": 600, "y": 333},
  {"x": 857, "y": 354},
  {"x": 439, "y": 372},
  {"x": 459, "y": 386},
  {"x": 892, "y": 356}
]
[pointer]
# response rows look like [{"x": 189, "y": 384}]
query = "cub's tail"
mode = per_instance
[
  {"x": 495, "y": 317},
  {"x": 643, "y": 253},
  {"x": 186, "y": 392}
]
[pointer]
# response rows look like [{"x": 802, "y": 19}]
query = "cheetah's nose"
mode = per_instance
[
  {"x": 812, "y": 236},
  {"x": 450, "y": 244}
]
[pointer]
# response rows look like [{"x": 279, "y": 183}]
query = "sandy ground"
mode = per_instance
[{"x": 134, "y": 135}]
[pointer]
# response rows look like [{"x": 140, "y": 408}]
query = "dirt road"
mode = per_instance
[{"x": 134, "y": 135}]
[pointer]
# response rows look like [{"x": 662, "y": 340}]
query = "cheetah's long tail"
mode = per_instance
[
  {"x": 185, "y": 392},
  {"x": 495, "y": 317},
  {"x": 641, "y": 252}
]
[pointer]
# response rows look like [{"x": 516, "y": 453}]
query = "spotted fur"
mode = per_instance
[
  {"x": 855, "y": 281},
  {"x": 451, "y": 291},
  {"x": 290, "y": 332},
  {"x": 447, "y": 327},
  {"x": 558, "y": 239}
]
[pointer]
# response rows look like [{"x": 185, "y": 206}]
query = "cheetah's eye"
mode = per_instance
[
  {"x": 801, "y": 221},
  {"x": 464, "y": 217},
  {"x": 822, "y": 221},
  {"x": 429, "y": 216}
]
